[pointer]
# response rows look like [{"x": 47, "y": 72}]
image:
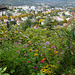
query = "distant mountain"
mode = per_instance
[
  {"x": 29, "y": 2},
  {"x": 16, "y": 2}
]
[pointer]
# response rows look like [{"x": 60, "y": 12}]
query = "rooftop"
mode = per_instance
[{"x": 2, "y": 7}]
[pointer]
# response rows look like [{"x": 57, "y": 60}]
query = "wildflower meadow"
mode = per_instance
[{"x": 37, "y": 51}]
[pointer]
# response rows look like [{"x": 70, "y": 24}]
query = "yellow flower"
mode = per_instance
[
  {"x": 51, "y": 34},
  {"x": 40, "y": 20},
  {"x": 56, "y": 52},
  {"x": 30, "y": 50},
  {"x": 43, "y": 70},
  {"x": 16, "y": 31},
  {"x": 37, "y": 50},
  {"x": 54, "y": 73},
  {"x": 18, "y": 27},
  {"x": 5, "y": 35},
  {"x": 45, "y": 36},
  {"x": 54, "y": 66},
  {"x": 49, "y": 48},
  {"x": 43, "y": 39},
  {"x": 35, "y": 54},
  {"x": 13, "y": 37}
]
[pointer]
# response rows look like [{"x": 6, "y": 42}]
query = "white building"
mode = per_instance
[
  {"x": 0, "y": 13},
  {"x": 4, "y": 12},
  {"x": 36, "y": 12},
  {"x": 24, "y": 18},
  {"x": 38, "y": 17},
  {"x": 19, "y": 22},
  {"x": 33, "y": 20},
  {"x": 12, "y": 19},
  {"x": 67, "y": 13},
  {"x": 42, "y": 23},
  {"x": 0, "y": 21},
  {"x": 60, "y": 13},
  {"x": 25, "y": 8},
  {"x": 33, "y": 8},
  {"x": 5, "y": 20},
  {"x": 60, "y": 19},
  {"x": 16, "y": 14},
  {"x": 67, "y": 19},
  {"x": 10, "y": 7}
]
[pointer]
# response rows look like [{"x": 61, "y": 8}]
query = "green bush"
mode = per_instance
[{"x": 35, "y": 50}]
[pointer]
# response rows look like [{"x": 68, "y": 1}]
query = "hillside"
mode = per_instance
[{"x": 30, "y": 2}]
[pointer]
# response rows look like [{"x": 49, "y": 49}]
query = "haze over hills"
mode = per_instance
[{"x": 31, "y": 2}]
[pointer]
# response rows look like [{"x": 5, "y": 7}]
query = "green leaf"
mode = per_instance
[
  {"x": 0, "y": 69},
  {"x": 4, "y": 69},
  {"x": 38, "y": 74},
  {"x": 41, "y": 73},
  {"x": 68, "y": 42},
  {"x": 12, "y": 71},
  {"x": 6, "y": 74}
]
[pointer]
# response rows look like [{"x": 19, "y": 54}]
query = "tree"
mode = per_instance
[
  {"x": 13, "y": 22},
  {"x": 9, "y": 14},
  {"x": 26, "y": 24},
  {"x": 30, "y": 16},
  {"x": 63, "y": 14},
  {"x": 8, "y": 26},
  {"x": 64, "y": 21},
  {"x": 49, "y": 23}
]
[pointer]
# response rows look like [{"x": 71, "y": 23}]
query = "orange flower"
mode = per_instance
[
  {"x": 35, "y": 54},
  {"x": 43, "y": 59},
  {"x": 3, "y": 33}
]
